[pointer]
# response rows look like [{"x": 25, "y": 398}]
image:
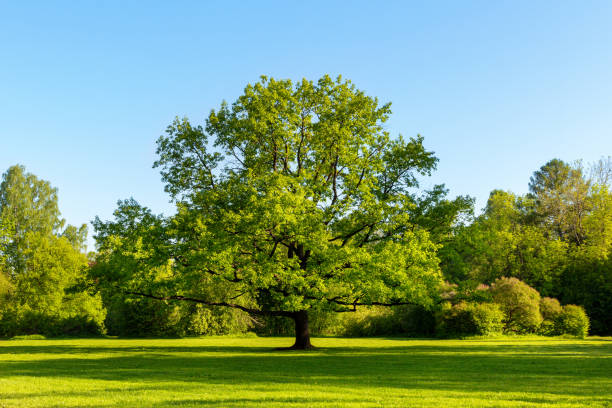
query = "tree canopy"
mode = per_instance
[
  {"x": 293, "y": 198},
  {"x": 41, "y": 265}
]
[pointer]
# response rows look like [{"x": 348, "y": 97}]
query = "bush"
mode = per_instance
[
  {"x": 550, "y": 309},
  {"x": 408, "y": 321},
  {"x": 200, "y": 320},
  {"x": 142, "y": 317},
  {"x": 470, "y": 319},
  {"x": 489, "y": 319},
  {"x": 33, "y": 322},
  {"x": 519, "y": 302},
  {"x": 370, "y": 321},
  {"x": 416, "y": 321},
  {"x": 366, "y": 321},
  {"x": 573, "y": 321}
]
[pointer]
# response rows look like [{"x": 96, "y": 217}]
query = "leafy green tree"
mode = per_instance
[
  {"x": 40, "y": 267},
  {"x": 520, "y": 303},
  {"x": 552, "y": 176},
  {"x": 28, "y": 205},
  {"x": 550, "y": 309},
  {"x": 561, "y": 192},
  {"x": 5, "y": 236},
  {"x": 292, "y": 199}
]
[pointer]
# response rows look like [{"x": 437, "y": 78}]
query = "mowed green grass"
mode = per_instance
[{"x": 248, "y": 372}]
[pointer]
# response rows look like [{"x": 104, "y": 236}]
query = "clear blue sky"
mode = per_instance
[{"x": 497, "y": 88}]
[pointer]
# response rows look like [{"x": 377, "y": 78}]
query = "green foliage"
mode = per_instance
[
  {"x": 27, "y": 205},
  {"x": 142, "y": 317},
  {"x": 415, "y": 321},
  {"x": 470, "y": 319},
  {"x": 42, "y": 271},
  {"x": 27, "y": 320},
  {"x": 202, "y": 320},
  {"x": 589, "y": 283},
  {"x": 550, "y": 308},
  {"x": 573, "y": 321},
  {"x": 561, "y": 192},
  {"x": 520, "y": 304},
  {"x": 366, "y": 321},
  {"x": 292, "y": 199},
  {"x": 369, "y": 322},
  {"x": 77, "y": 237},
  {"x": 499, "y": 244},
  {"x": 488, "y": 318},
  {"x": 42, "y": 299},
  {"x": 438, "y": 215},
  {"x": 558, "y": 239}
]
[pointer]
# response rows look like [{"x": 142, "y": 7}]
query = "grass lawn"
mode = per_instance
[{"x": 245, "y": 372}]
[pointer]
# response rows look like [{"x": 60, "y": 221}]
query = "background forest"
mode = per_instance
[{"x": 508, "y": 269}]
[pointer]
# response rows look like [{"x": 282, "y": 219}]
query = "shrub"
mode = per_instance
[
  {"x": 409, "y": 321},
  {"x": 141, "y": 317},
  {"x": 366, "y": 321},
  {"x": 201, "y": 320},
  {"x": 550, "y": 309},
  {"x": 370, "y": 321},
  {"x": 573, "y": 321},
  {"x": 469, "y": 319},
  {"x": 416, "y": 321},
  {"x": 519, "y": 302},
  {"x": 488, "y": 318},
  {"x": 25, "y": 321}
]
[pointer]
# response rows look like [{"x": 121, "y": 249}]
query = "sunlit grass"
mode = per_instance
[{"x": 239, "y": 372}]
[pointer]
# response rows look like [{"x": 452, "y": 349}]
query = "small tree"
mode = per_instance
[
  {"x": 520, "y": 303},
  {"x": 293, "y": 199}
]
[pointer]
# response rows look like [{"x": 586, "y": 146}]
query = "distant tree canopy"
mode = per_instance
[
  {"x": 292, "y": 199},
  {"x": 41, "y": 265},
  {"x": 557, "y": 238}
]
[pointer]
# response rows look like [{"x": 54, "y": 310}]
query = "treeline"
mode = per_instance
[
  {"x": 527, "y": 264},
  {"x": 557, "y": 239}
]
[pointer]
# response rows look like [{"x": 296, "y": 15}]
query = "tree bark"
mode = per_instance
[{"x": 302, "y": 331}]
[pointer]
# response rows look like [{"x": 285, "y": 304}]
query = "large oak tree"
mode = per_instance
[{"x": 290, "y": 199}]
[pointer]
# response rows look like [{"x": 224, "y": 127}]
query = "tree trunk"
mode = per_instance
[{"x": 302, "y": 332}]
